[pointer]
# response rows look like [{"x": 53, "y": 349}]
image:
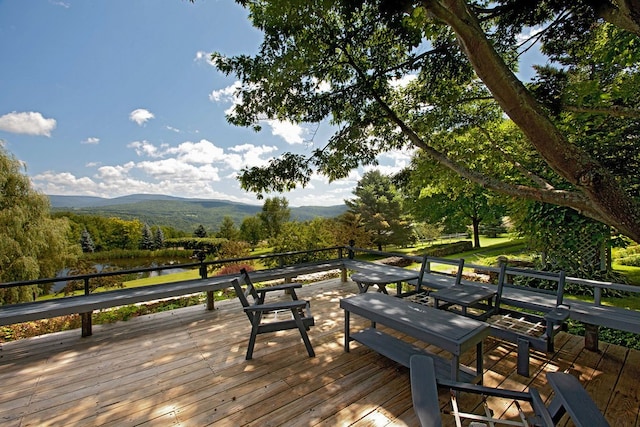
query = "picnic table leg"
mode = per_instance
[
  {"x": 480, "y": 361},
  {"x": 455, "y": 368}
]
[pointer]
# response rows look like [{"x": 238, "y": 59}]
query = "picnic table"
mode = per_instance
[
  {"x": 451, "y": 332},
  {"x": 381, "y": 279}
]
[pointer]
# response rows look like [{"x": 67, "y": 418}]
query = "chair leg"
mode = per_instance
[
  {"x": 255, "y": 324},
  {"x": 303, "y": 333},
  {"x": 523, "y": 357}
]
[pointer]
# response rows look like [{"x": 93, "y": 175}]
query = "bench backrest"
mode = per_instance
[
  {"x": 427, "y": 261},
  {"x": 554, "y": 290}
]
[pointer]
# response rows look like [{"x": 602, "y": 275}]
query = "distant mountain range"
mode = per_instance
[{"x": 177, "y": 212}]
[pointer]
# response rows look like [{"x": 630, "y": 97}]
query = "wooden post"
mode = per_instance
[
  {"x": 86, "y": 324},
  {"x": 591, "y": 337},
  {"x": 210, "y": 300}
]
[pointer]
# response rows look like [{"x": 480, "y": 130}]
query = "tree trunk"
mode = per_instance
[{"x": 476, "y": 232}]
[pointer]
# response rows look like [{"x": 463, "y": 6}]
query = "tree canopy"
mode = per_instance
[
  {"x": 411, "y": 75},
  {"x": 380, "y": 208},
  {"x": 32, "y": 244}
]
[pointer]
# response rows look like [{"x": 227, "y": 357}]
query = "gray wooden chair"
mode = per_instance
[
  {"x": 569, "y": 397},
  {"x": 275, "y": 316}
]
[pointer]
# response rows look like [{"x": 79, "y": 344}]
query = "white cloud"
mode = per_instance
[
  {"x": 30, "y": 123},
  {"x": 225, "y": 94},
  {"x": 141, "y": 116},
  {"x": 90, "y": 140},
  {"x": 66, "y": 5},
  {"x": 292, "y": 133},
  {"x": 145, "y": 148},
  {"x": 171, "y": 128},
  {"x": 202, "y": 56},
  {"x": 197, "y": 152},
  {"x": 228, "y": 94},
  {"x": 403, "y": 81}
]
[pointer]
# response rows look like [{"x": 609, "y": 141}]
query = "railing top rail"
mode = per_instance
[
  {"x": 160, "y": 267},
  {"x": 603, "y": 285}
]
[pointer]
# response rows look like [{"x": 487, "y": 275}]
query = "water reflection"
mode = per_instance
[{"x": 123, "y": 264}]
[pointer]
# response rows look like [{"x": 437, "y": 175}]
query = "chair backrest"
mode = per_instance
[
  {"x": 249, "y": 292},
  {"x": 424, "y": 391}
]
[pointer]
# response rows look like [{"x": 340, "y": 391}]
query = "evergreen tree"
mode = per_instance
[
  {"x": 86, "y": 242},
  {"x": 380, "y": 207},
  {"x": 146, "y": 242},
  {"x": 200, "y": 231},
  {"x": 158, "y": 238},
  {"x": 228, "y": 229}
]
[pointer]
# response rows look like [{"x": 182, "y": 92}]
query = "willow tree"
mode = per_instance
[
  {"x": 32, "y": 244},
  {"x": 392, "y": 74}
]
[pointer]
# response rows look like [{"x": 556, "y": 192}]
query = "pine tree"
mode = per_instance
[
  {"x": 147, "y": 238},
  {"x": 158, "y": 238},
  {"x": 86, "y": 242}
]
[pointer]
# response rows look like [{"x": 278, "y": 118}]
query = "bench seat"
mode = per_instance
[
  {"x": 85, "y": 304},
  {"x": 25, "y": 312}
]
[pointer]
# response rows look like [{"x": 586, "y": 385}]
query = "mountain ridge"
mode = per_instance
[{"x": 178, "y": 212}]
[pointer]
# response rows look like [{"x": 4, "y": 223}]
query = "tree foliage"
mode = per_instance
[
  {"x": 304, "y": 236},
  {"x": 146, "y": 242},
  {"x": 380, "y": 206},
  {"x": 32, "y": 244},
  {"x": 438, "y": 196},
  {"x": 86, "y": 242},
  {"x": 251, "y": 230},
  {"x": 228, "y": 229},
  {"x": 275, "y": 213},
  {"x": 400, "y": 75},
  {"x": 200, "y": 231}
]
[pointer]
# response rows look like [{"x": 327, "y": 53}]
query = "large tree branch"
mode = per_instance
[
  {"x": 547, "y": 194},
  {"x": 621, "y": 13},
  {"x": 613, "y": 111}
]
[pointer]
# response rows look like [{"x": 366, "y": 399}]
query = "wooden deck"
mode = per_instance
[{"x": 186, "y": 367}]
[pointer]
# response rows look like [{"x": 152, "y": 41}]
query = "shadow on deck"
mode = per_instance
[{"x": 186, "y": 367}]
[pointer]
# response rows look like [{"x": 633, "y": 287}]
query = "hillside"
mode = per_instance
[{"x": 180, "y": 213}]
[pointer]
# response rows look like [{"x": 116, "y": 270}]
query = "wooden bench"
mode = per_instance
[
  {"x": 527, "y": 315},
  {"x": 595, "y": 315},
  {"x": 430, "y": 278},
  {"x": 517, "y": 312},
  {"x": 86, "y": 304}
]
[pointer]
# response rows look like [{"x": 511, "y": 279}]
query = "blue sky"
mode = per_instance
[
  {"x": 109, "y": 98},
  {"x": 115, "y": 97}
]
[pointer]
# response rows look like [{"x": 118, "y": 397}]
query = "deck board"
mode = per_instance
[{"x": 186, "y": 367}]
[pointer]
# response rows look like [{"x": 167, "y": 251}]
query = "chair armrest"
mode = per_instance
[
  {"x": 285, "y": 305},
  {"x": 571, "y": 397},
  {"x": 558, "y": 314}
]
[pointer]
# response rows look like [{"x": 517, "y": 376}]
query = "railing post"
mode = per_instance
[
  {"x": 86, "y": 317},
  {"x": 203, "y": 267},
  {"x": 352, "y": 243}
]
